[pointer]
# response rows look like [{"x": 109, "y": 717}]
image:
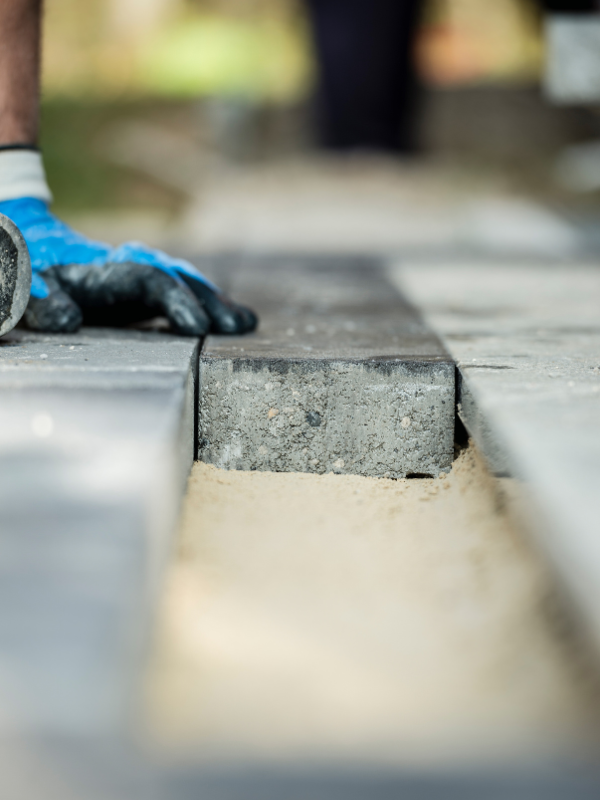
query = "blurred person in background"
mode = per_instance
[
  {"x": 77, "y": 280},
  {"x": 367, "y": 79},
  {"x": 570, "y": 6}
]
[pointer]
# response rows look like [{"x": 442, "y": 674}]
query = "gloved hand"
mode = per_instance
[{"x": 77, "y": 280}]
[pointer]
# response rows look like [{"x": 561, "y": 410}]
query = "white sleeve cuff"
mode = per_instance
[{"x": 22, "y": 174}]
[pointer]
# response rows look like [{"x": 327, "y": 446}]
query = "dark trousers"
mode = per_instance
[
  {"x": 367, "y": 84},
  {"x": 570, "y": 6}
]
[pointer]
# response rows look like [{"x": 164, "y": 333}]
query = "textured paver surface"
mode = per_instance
[
  {"x": 343, "y": 376},
  {"x": 526, "y": 339},
  {"x": 96, "y": 437},
  {"x": 83, "y": 770}
]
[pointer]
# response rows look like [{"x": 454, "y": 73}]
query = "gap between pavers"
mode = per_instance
[
  {"x": 342, "y": 376},
  {"x": 526, "y": 339}
]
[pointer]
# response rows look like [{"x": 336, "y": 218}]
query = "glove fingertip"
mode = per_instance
[
  {"x": 186, "y": 316},
  {"x": 231, "y": 319},
  {"x": 56, "y": 313},
  {"x": 250, "y": 319}
]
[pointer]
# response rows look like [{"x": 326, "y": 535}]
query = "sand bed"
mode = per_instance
[{"x": 345, "y": 617}]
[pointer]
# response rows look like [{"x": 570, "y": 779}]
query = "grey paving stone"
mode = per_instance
[
  {"x": 343, "y": 376},
  {"x": 70, "y": 770},
  {"x": 573, "y": 58},
  {"x": 93, "y": 357},
  {"x": 526, "y": 339},
  {"x": 93, "y": 457}
]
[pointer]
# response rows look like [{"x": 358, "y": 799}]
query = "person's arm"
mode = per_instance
[
  {"x": 76, "y": 280},
  {"x": 20, "y": 22}
]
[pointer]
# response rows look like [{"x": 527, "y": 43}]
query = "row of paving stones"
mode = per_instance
[
  {"x": 97, "y": 434},
  {"x": 526, "y": 340}
]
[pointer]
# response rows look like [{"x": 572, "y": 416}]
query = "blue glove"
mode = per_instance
[{"x": 76, "y": 280}]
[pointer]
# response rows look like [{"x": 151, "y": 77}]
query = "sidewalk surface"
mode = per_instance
[{"x": 97, "y": 430}]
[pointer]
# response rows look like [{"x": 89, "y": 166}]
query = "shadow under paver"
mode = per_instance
[
  {"x": 96, "y": 440},
  {"x": 343, "y": 375}
]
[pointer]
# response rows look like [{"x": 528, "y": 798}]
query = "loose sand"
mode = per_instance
[{"x": 345, "y": 617}]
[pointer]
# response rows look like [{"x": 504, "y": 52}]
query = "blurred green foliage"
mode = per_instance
[
  {"x": 259, "y": 58},
  {"x": 81, "y": 177},
  {"x": 115, "y": 48}
]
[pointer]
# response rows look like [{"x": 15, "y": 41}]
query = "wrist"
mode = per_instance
[
  {"x": 22, "y": 173},
  {"x": 19, "y": 146}
]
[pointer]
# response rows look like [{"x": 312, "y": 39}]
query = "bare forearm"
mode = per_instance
[{"x": 20, "y": 23}]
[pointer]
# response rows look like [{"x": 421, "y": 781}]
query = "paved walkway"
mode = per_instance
[{"x": 96, "y": 430}]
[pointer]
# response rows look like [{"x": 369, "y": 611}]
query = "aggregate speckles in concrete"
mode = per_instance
[{"x": 343, "y": 376}]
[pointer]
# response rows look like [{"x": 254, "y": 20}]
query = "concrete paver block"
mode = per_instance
[
  {"x": 96, "y": 440},
  {"x": 573, "y": 58},
  {"x": 343, "y": 376},
  {"x": 526, "y": 340}
]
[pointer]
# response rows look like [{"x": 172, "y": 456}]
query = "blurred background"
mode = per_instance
[{"x": 151, "y": 104}]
